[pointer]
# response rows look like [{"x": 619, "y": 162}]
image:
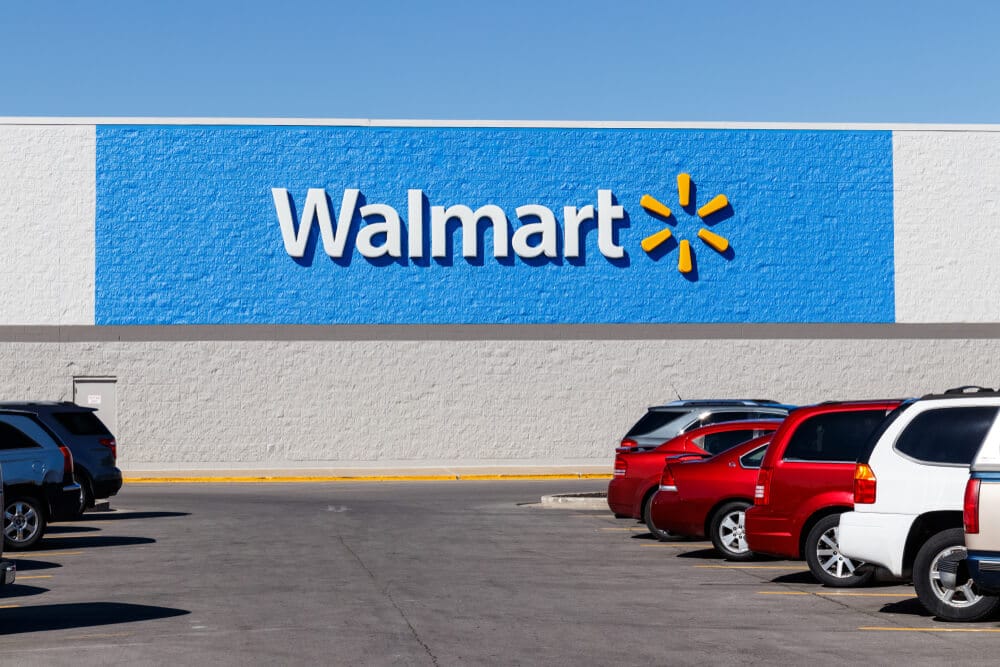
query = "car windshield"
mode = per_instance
[{"x": 655, "y": 420}]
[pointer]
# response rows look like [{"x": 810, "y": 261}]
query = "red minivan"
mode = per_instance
[
  {"x": 806, "y": 481},
  {"x": 637, "y": 474}
]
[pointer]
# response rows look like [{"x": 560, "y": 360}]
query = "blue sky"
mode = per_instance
[{"x": 844, "y": 61}]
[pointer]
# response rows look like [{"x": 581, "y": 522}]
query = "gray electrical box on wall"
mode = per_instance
[{"x": 99, "y": 393}]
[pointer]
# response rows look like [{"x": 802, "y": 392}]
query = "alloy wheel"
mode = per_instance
[
  {"x": 960, "y": 596},
  {"x": 831, "y": 559},
  {"x": 21, "y": 522},
  {"x": 732, "y": 532}
]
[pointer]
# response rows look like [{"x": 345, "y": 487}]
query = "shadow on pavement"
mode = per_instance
[
  {"x": 704, "y": 554},
  {"x": 58, "y": 543},
  {"x": 78, "y": 615},
  {"x": 795, "y": 578},
  {"x": 910, "y": 607},
  {"x": 17, "y": 590},
  {"x": 118, "y": 516},
  {"x": 28, "y": 565}
]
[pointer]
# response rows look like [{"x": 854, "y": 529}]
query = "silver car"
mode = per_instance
[{"x": 663, "y": 422}]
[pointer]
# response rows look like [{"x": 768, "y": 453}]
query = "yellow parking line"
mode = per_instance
[
  {"x": 21, "y": 577},
  {"x": 881, "y": 629},
  {"x": 677, "y": 545},
  {"x": 9, "y": 606},
  {"x": 42, "y": 554},
  {"x": 749, "y": 567},
  {"x": 105, "y": 635},
  {"x": 634, "y": 530},
  {"x": 304, "y": 479},
  {"x": 840, "y": 594}
]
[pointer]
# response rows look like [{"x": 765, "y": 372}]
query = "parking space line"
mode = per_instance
[
  {"x": 749, "y": 567},
  {"x": 9, "y": 606},
  {"x": 840, "y": 594},
  {"x": 106, "y": 635},
  {"x": 635, "y": 530},
  {"x": 873, "y": 628},
  {"x": 22, "y": 577},
  {"x": 41, "y": 554},
  {"x": 678, "y": 545}
]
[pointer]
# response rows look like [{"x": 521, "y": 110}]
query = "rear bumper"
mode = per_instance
[
  {"x": 8, "y": 572},
  {"x": 671, "y": 513},
  {"x": 108, "y": 486},
  {"x": 64, "y": 500},
  {"x": 984, "y": 568},
  {"x": 770, "y": 535},
  {"x": 875, "y": 538},
  {"x": 621, "y": 497}
]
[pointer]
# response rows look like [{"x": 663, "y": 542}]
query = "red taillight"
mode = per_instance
[
  {"x": 762, "y": 492},
  {"x": 110, "y": 444},
  {"x": 970, "y": 508},
  {"x": 621, "y": 466},
  {"x": 667, "y": 482},
  {"x": 864, "y": 485},
  {"x": 67, "y": 460},
  {"x": 628, "y": 445}
]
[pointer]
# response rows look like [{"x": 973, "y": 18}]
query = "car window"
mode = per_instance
[
  {"x": 653, "y": 420},
  {"x": 20, "y": 432},
  {"x": 834, "y": 437},
  {"x": 947, "y": 435},
  {"x": 726, "y": 416},
  {"x": 81, "y": 423},
  {"x": 754, "y": 458},
  {"x": 715, "y": 443}
]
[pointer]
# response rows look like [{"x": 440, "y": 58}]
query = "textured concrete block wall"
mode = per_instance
[
  {"x": 332, "y": 403},
  {"x": 47, "y": 220}
]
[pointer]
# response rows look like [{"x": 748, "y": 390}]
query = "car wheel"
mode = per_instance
[
  {"x": 962, "y": 603},
  {"x": 728, "y": 531},
  {"x": 827, "y": 564},
  {"x": 658, "y": 533},
  {"x": 23, "y": 523},
  {"x": 86, "y": 496}
]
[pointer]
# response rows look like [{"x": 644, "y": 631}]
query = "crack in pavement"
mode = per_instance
[{"x": 389, "y": 597}]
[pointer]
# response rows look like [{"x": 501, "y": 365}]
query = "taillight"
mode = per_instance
[
  {"x": 864, "y": 485},
  {"x": 667, "y": 482},
  {"x": 621, "y": 466},
  {"x": 67, "y": 460},
  {"x": 628, "y": 445},
  {"x": 110, "y": 444},
  {"x": 970, "y": 508},
  {"x": 762, "y": 492}
]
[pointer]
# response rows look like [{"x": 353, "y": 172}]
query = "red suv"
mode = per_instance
[
  {"x": 637, "y": 474},
  {"x": 806, "y": 481}
]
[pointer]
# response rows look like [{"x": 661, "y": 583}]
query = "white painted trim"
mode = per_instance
[{"x": 557, "y": 124}]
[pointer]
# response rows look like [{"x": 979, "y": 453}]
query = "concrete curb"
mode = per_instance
[{"x": 576, "y": 501}]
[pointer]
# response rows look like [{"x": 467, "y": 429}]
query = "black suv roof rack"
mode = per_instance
[{"x": 965, "y": 390}]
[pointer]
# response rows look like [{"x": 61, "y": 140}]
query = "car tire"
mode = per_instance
[
  {"x": 658, "y": 533},
  {"x": 827, "y": 564},
  {"x": 963, "y": 603},
  {"x": 23, "y": 522},
  {"x": 86, "y": 495},
  {"x": 727, "y": 531}
]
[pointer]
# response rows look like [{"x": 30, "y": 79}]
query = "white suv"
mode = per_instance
[{"x": 909, "y": 489}]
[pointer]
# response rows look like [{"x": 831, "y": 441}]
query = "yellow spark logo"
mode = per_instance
[{"x": 685, "y": 262}]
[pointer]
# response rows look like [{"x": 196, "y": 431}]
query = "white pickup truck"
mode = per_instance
[
  {"x": 981, "y": 514},
  {"x": 909, "y": 489}
]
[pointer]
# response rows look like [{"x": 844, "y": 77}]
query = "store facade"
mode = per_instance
[{"x": 238, "y": 294}]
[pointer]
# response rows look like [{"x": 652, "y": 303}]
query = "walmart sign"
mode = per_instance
[{"x": 370, "y": 225}]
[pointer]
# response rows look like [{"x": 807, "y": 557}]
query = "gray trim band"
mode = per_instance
[{"x": 473, "y": 332}]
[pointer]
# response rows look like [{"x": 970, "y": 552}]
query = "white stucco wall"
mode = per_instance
[
  {"x": 947, "y": 211},
  {"x": 47, "y": 193}
]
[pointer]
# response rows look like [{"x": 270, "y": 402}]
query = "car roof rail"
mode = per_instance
[{"x": 970, "y": 389}]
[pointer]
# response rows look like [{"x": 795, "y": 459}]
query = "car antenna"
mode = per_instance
[{"x": 676, "y": 392}]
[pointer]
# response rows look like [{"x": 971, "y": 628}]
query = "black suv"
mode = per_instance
[{"x": 94, "y": 449}]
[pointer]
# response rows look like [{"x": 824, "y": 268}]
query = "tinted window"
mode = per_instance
[
  {"x": 727, "y": 416},
  {"x": 21, "y": 431},
  {"x": 754, "y": 458},
  {"x": 81, "y": 423},
  {"x": 653, "y": 420},
  {"x": 715, "y": 443},
  {"x": 838, "y": 436},
  {"x": 947, "y": 435}
]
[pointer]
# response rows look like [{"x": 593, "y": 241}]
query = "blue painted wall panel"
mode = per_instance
[{"x": 187, "y": 230}]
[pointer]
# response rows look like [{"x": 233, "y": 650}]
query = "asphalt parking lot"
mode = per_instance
[{"x": 431, "y": 573}]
